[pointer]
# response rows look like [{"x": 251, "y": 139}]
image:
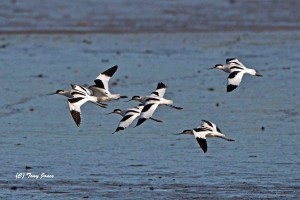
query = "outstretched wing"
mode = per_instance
[
  {"x": 234, "y": 80},
  {"x": 147, "y": 111},
  {"x": 160, "y": 90},
  {"x": 200, "y": 135},
  {"x": 234, "y": 64},
  {"x": 127, "y": 120},
  {"x": 74, "y": 106},
  {"x": 101, "y": 87},
  {"x": 81, "y": 89}
]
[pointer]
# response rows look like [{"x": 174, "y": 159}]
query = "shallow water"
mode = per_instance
[{"x": 150, "y": 161}]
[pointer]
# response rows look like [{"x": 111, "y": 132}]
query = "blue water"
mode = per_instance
[{"x": 150, "y": 162}]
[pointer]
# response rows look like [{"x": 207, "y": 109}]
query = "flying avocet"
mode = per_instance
[
  {"x": 152, "y": 101},
  {"x": 236, "y": 70},
  {"x": 129, "y": 116},
  {"x": 77, "y": 99},
  {"x": 207, "y": 130},
  {"x": 100, "y": 89}
]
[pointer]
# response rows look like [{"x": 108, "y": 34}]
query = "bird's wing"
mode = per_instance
[
  {"x": 147, "y": 111},
  {"x": 234, "y": 64},
  {"x": 234, "y": 61},
  {"x": 74, "y": 106},
  {"x": 81, "y": 89},
  {"x": 234, "y": 79},
  {"x": 200, "y": 136},
  {"x": 160, "y": 90},
  {"x": 127, "y": 120},
  {"x": 208, "y": 124},
  {"x": 102, "y": 80}
]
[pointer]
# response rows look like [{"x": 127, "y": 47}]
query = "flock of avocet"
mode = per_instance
[{"x": 99, "y": 93}]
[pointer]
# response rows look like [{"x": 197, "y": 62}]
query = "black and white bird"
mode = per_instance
[
  {"x": 100, "y": 89},
  {"x": 207, "y": 130},
  {"x": 152, "y": 101},
  {"x": 75, "y": 102},
  {"x": 129, "y": 116},
  {"x": 236, "y": 71}
]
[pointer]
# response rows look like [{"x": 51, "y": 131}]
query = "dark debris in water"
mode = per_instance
[
  {"x": 87, "y": 41},
  {"x": 262, "y": 128},
  {"x": 27, "y": 167},
  {"x": 104, "y": 60},
  {"x": 14, "y": 188},
  {"x": 210, "y": 89},
  {"x": 40, "y": 76}
]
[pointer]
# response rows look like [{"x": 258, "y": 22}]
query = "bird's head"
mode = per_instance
[
  {"x": 186, "y": 132},
  {"x": 217, "y": 66},
  {"x": 135, "y": 98},
  {"x": 117, "y": 111},
  {"x": 58, "y": 92}
]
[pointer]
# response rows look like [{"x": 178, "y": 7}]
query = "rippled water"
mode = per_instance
[{"x": 149, "y": 161}]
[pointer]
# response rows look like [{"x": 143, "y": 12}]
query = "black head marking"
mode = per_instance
[
  {"x": 117, "y": 110},
  {"x": 58, "y": 91}
]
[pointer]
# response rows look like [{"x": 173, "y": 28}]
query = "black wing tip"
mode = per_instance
[
  {"x": 161, "y": 85},
  {"x": 206, "y": 121},
  {"x": 119, "y": 129},
  {"x": 258, "y": 74},
  {"x": 76, "y": 117},
  {"x": 140, "y": 121},
  {"x": 110, "y": 72},
  {"x": 231, "y": 87},
  {"x": 203, "y": 144}
]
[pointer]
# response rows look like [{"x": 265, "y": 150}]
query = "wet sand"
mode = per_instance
[{"x": 150, "y": 161}]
